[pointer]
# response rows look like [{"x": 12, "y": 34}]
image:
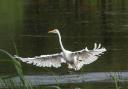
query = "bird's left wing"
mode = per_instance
[
  {"x": 86, "y": 56},
  {"x": 54, "y": 60}
]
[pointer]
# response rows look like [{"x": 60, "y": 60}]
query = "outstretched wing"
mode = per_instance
[
  {"x": 54, "y": 60},
  {"x": 86, "y": 56}
]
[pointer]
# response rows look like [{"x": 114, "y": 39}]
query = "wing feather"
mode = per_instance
[
  {"x": 86, "y": 56},
  {"x": 54, "y": 60}
]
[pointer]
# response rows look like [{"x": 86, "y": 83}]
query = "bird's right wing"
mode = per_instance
[
  {"x": 86, "y": 56},
  {"x": 54, "y": 60}
]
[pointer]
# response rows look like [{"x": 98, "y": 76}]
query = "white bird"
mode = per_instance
[{"x": 75, "y": 60}]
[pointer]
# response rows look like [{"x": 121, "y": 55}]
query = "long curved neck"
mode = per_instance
[{"x": 60, "y": 42}]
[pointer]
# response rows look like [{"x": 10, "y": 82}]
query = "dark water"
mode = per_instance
[{"x": 81, "y": 23}]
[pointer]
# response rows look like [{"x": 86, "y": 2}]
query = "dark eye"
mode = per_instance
[{"x": 79, "y": 60}]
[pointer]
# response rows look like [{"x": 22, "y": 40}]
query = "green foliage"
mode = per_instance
[
  {"x": 10, "y": 84},
  {"x": 116, "y": 81}
]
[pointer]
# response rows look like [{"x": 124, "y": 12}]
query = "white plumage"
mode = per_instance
[{"x": 75, "y": 60}]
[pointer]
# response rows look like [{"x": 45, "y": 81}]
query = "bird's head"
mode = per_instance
[{"x": 54, "y": 31}]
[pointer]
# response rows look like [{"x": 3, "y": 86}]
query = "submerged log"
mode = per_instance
[{"x": 36, "y": 80}]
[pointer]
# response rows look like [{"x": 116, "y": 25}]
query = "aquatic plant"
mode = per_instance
[
  {"x": 18, "y": 67},
  {"x": 116, "y": 81},
  {"x": 24, "y": 84}
]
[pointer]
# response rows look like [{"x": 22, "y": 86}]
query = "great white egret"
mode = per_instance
[{"x": 75, "y": 60}]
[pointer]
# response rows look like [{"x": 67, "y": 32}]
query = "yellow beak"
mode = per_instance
[{"x": 51, "y": 31}]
